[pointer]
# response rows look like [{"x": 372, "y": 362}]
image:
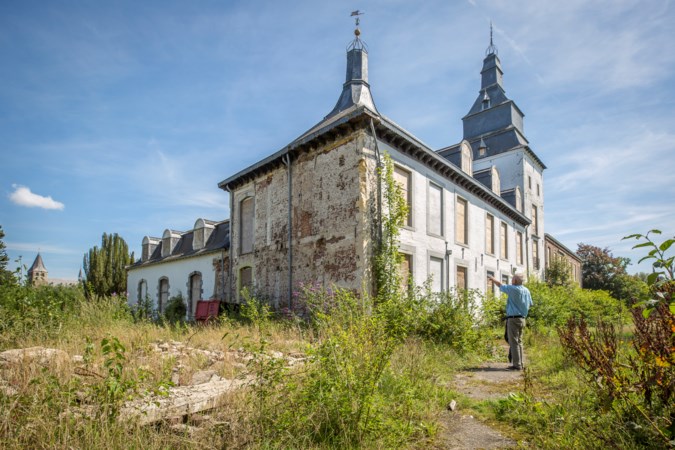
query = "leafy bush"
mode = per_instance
[
  {"x": 26, "y": 309},
  {"x": 176, "y": 309},
  {"x": 637, "y": 382},
  {"x": 554, "y": 305},
  {"x": 451, "y": 318}
]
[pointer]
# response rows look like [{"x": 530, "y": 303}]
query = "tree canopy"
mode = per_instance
[
  {"x": 105, "y": 267},
  {"x": 6, "y": 276}
]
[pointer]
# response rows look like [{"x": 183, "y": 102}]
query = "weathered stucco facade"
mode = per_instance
[
  {"x": 310, "y": 213},
  {"x": 323, "y": 193}
]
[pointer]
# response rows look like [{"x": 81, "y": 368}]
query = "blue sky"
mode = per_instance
[{"x": 122, "y": 117}]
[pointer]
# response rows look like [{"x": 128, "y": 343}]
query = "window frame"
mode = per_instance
[
  {"x": 465, "y": 225},
  {"x": 490, "y": 234},
  {"x": 441, "y": 215},
  {"x": 408, "y": 193}
]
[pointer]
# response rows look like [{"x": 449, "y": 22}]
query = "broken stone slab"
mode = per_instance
[
  {"x": 33, "y": 355},
  {"x": 181, "y": 401}
]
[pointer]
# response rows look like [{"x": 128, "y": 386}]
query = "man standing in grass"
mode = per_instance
[{"x": 517, "y": 306}]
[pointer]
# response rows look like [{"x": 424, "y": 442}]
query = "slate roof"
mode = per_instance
[
  {"x": 38, "y": 265},
  {"x": 355, "y": 110},
  {"x": 218, "y": 241}
]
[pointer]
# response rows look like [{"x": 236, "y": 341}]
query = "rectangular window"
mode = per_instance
[
  {"x": 461, "y": 279},
  {"x": 404, "y": 180},
  {"x": 405, "y": 269},
  {"x": 535, "y": 220},
  {"x": 538, "y": 190},
  {"x": 246, "y": 225},
  {"x": 245, "y": 278},
  {"x": 503, "y": 241},
  {"x": 519, "y": 247},
  {"x": 490, "y": 287},
  {"x": 535, "y": 254},
  {"x": 505, "y": 279},
  {"x": 461, "y": 222},
  {"x": 529, "y": 181},
  {"x": 490, "y": 234},
  {"x": 436, "y": 274},
  {"x": 435, "y": 212}
]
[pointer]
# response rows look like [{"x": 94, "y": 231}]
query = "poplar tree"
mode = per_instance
[
  {"x": 105, "y": 267},
  {"x": 5, "y": 275}
]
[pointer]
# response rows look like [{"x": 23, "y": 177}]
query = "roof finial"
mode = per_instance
[
  {"x": 492, "y": 49},
  {"x": 356, "y": 43}
]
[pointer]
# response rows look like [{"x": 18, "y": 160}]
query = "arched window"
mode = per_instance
[
  {"x": 246, "y": 225},
  {"x": 194, "y": 292},
  {"x": 246, "y": 278},
  {"x": 163, "y": 294},
  {"x": 142, "y": 291}
]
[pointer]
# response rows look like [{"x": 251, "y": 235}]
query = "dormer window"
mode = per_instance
[
  {"x": 482, "y": 148},
  {"x": 467, "y": 159},
  {"x": 169, "y": 240},
  {"x": 486, "y": 100},
  {"x": 496, "y": 182},
  {"x": 149, "y": 245},
  {"x": 201, "y": 234}
]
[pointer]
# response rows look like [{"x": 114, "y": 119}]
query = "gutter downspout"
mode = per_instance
[
  {"x": 287, "y": 161},
  {"x": 379, "y": 183}
]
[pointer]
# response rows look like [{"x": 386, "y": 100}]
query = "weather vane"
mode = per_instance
[
  {"x": 356, "y": 14},
  {"x": 492, "y": 49}
]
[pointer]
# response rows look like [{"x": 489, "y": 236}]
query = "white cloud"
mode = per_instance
[
  {"x": 23, "y": 196},
  {"x": 41, "y": 247}
]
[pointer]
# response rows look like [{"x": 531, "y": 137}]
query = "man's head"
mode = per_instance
[{"x": 518, "y": 279}]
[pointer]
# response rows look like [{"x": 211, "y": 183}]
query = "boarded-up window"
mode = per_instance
[
  {"x": 490, "y": 234},
  {"x": 404, "y": 180},
  {"x": 519, "y": 247},
  {"x": 436, "y": 274},
  {"x": 435, "y": 213},
  {"x": 246, "y": 278},
  {"x": 461, "y": 225},
  {"x": 535, "y": 220},
  {"x": 195, "y": 292},
  {"x": 503, "y": 240},
  {"x": 246, "y": 209},
  {"x": 405, "y": 270},
  {"x": 535, "y": 254},
  {"x": 490, "y": 287},
  {"x": 461, "y": 278},
  {"x": 142, "y": 291},
  {"x": 163, "y": 294}
]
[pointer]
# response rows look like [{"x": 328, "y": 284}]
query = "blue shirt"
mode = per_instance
[{"x": 519, "y": 301}]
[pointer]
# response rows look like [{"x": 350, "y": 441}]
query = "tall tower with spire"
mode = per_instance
[
  {"x": 37, "y": 274},
  {"x": 355, "y": 90},
  {"x": 495, "y": 130}
]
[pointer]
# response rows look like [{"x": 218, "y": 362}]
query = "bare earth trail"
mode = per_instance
[{"x": 489, "y": 381}]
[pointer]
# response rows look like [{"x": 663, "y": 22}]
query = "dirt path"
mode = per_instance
[{"x": 489, "y": 381}]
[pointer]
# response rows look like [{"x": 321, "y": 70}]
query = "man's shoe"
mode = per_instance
[{"x": 514, "y": 368}]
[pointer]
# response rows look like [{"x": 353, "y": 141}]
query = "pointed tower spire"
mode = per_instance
[
  {"x": 37, "y": 274},
  {"x": 355, "y": 90}
]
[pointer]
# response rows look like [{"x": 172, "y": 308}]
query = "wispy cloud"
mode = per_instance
[
  {"x": 39, "y": 246},
  {"x": 23, "y": 196}
]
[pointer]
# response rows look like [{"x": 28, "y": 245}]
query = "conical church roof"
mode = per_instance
[{"x": 38, "y": 265}]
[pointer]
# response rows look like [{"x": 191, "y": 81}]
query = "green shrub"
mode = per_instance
[{"x": 176, "y": 309}]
